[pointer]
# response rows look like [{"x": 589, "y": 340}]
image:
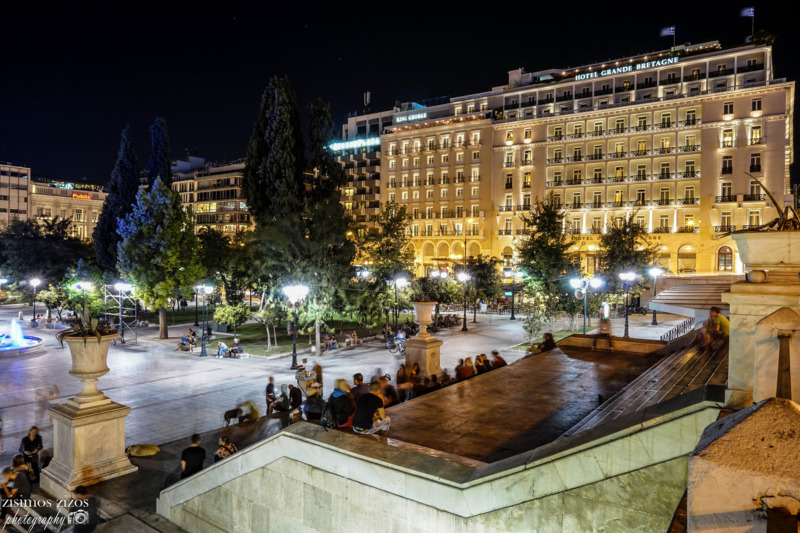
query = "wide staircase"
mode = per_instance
[
  {"x": 685, "y": 370},
  {"x": 691, "y": 299}
]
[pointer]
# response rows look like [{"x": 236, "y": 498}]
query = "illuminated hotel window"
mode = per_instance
[
  {"x": 474, "y": 210},
  {"x": 471, "y": 108},
  {"x": 445, "y": 158},
  {"x": 755, "y": 104},
  {"x": 727, "y": 139},
  {"x": 460, "y": 192}
]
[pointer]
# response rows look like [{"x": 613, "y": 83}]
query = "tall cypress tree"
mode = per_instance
[
  {"x": 160, "y": 163},
  {"x": 273, "y": 182},
  {"x": 121, "y": 196}
]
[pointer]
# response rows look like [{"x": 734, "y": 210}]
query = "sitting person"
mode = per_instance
[
  {"x": 497, "y": 361},
  {"x": 348, "y": 340},
  {"x": 370, "y": 416},
  {"x": 605, "y": 333},
  {"x": 236, "y": 349},
  {"x": 226, "y": 448},
  {"x": 184, "y": 345},
  {"x": 314, "y": 405},
  {"x": 354, "y": 337},
  {"x": 333, "y": 344},
  {"x": 221, "y": 349},
  {"x": 282, "y": 403},
  {"x": 548, "y": 343},
  {"x": 401, "y": 336},
  {"x": 342, "y": 403},
  {"x": 15, "y": 488},
  {"x": 719, "y": 327}
]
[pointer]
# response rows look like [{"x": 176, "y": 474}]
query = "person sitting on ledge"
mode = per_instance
[
  {"x": 497, "y": 361},
  {"x": 221, "y": 349},
  {"x": 719, "y": 326},
  {"x": 370, "y": 416},
  {"x": 548, "y": 343}
]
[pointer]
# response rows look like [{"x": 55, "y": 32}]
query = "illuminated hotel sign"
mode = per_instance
[
  {"x": 627, "y": 68},
  {"x": 357, "y": 143},
  {"x": 82, "y": 195},
  {"x": 411, "y": 118}
]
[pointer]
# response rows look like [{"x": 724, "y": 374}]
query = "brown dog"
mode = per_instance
[{"x": 233, "y": 414}]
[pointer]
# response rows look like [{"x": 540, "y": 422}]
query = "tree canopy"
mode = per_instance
[
  {"x": 122, "y": 191},
  {"x": 625, "y": 246},
  {"x": 158, "y": 250},
  {"x": 160, "y": 163}
]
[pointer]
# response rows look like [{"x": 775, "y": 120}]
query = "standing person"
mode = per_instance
[
  {"x": 497, "y": 361},
  {"x": 15, "y": 488},
  {"x": 192, "y": 458},
  {"x": 225, "y": 449},
  {"x": 359, "y": 387},
  {"x": 342, "y": 403},
  {"x": 370, "y": 417},
  {"x": 30, "y": 447},
  {"x": 270, "y": 394}
]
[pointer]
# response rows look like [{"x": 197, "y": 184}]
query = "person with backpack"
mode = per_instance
[{"x": 339, "y": 408}]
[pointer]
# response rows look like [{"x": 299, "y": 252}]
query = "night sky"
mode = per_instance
[{"x": 72, "y": 75}]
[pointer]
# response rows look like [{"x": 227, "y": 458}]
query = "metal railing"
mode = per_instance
[{"x": 679, "y": 330}]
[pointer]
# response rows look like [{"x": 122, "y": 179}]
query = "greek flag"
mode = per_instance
[
  {"x": 748, "y": 12},
  {"x": 668, "y": 31}
]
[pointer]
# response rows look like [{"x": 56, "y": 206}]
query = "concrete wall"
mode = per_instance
[{"x": 305, "y": 479}]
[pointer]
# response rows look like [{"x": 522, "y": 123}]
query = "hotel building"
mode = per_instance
[
  {"x": 14, "y": 182},
  {"x": 80, "y": 203},
  {"x": 677, "y": 139},
  {"x": 214, "y": 192},
  {"x": 360, "y": 155}
]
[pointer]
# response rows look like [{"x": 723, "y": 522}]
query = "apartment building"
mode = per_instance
[
  {"x": 677, "y": 139},
  {"x": 14, "y": 183},
  {"x": 214, "y": 192},
  {"x": 80, "y": 203},
  {"x": 360, "y": 154}
]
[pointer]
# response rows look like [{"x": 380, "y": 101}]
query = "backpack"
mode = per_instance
[{"x": 328, "y": 418}]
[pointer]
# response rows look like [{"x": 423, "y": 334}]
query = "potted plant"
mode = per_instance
[
  {"x": 88, "y": 342},
  {"x": 424, "y": 302}
]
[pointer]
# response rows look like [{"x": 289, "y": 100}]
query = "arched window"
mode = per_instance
[
  {"x": 725, "y": 259},
  {"x": 662, "y": 257},
  {"x": 687, "y": 259}
]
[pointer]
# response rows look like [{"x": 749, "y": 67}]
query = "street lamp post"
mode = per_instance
[
  {"x": 397, "y": 282},
  {"x": 513, "y": 275},
  {"x": 34, "y": 283},
  {"x": 583, "y": 284},
  {"x": 655, "y": 272},
  {"x": 295, "y": 293},
  {"x": 463, "y": 277},
  {"x": 627, "y": 278},
  {"x": 196, "y": 323}
]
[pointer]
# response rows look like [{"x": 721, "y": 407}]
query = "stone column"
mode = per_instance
[{"x": 89, "y": 429}]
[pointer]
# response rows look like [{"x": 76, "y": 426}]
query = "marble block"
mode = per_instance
[
  {"x": 425, "y": 352},
  {"x": 89, "y": 446}
]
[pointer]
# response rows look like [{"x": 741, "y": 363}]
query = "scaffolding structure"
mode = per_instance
[{"x": 121, "y": 307}]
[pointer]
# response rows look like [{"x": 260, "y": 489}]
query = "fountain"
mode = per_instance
[{"x": 15, "y": 343}]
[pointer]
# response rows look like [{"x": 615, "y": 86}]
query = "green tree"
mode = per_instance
[
  {"x": 386, "y": 249},
  {"x": 39, "y": 249},
  {"x": 158, "y": 250},
  {"x": 272, "y": 311},
  {"x": 54, "y": 299},
  {"x": 625, "y": 246},
  {"x": 122, "y": 191},
  {"x": 232, "y": 315},
  {"x": 485, "y": 281},
  {"x": 160, "y": 163},
  {"x": 273, "y": 182}
]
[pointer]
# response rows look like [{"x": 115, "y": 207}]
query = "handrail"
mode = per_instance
[{"x": 679, "y": 330}]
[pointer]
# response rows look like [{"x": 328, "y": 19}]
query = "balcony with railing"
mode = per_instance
[
  {"x": 754, "y": 227},
  {"x": 547, "y": 100},
  {"x": 640, "y": 203},
  {"x": 474, "y": 179},
  {"x": 664, "y": 150},
  {"x": 572, "y": 231},
  {"x": 506, "y": 208},
  {"x": 526, "y": 162},
  {"x": 720, "y": 72},
  {"x": 505, "y": 232},
  {"x": 576, "y": 135},
  {"x": 594, "y": 180},
  {"x": 575, "y": 158},
  {"x": 573, "y": 205},
  {"x": 617, "y": 131},
  {"x": 616, "y": 205},
  {"x": 616, "y": 179},
  {"x": 755, "y": 168},
  {"x": 623, "y": 89},
  {"x": 750, "y": 68},
  {"x": 529, "y": 103},
  {"x": 728, "y": 198},
  {"x": 574, "y": 181},
  {"x": 555, "y": 160},
  {"x": 559, "y": 137},
  {"x": 641, "y": 127},
  {"x": 689, "y": 148},
  {"x": 695, "y": 77},
  {"x": 689, "y": 201},
  {"x": 594, "y": 230},
  {"x": 724, "y": 228},
  {"x": 689, "y": 228},
  {"x": 524, "y": 231},
  {"x": 662, "y": 229},
  {"x": 508, "y": 164},
  {"x": 595, "y": 133},
  {"x": 646, "y": 85},
  {"x": 558, "y": 183},
  {"x": 664, "y": 124},
  {"x": 459, "y": 179},
  {"x": 564, "y": 97},
  {"x": 727, "y": 170},
  {"x": 617, "y": 155},
  {"x": 754, "y": 197},
  {"x": 444, "y": 181},
  {"x": 639, "y": 177},
  {"x": 603, "y": 92},
  {"x": 595, "y": 157},
  {"x": 689, "y": 174},
  {"x": 689, "y": 122},
  {"x": 753, "y": 141},
  {"x": 670, "y": 80},
  {"x": 662, "y": 202},
  {"x": 664, "y": 176},
  {"x": 595, "y": 205},
  {"x": 639, "y": 153},
  {"x": 726, "y": 143},
  {"x": 431, "y": 181}
]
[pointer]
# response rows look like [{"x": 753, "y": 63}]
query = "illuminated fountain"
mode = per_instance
[{"x": 14, "y": 342}]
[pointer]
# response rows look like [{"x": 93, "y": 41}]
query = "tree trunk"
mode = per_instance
[
  {"x": 269, "y": 340},
  {"x": 163, "y": 332},
  {"x": 316, "y": 333},
  {"x": 275, "y": 333},
  {"x": 474, "y": 313}
]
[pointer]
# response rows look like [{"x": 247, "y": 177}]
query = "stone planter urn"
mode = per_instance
[
  {"x": 89, "y": 429},
  {"x": 422, "y": 314},
  {"x": 424, "y": 349}
]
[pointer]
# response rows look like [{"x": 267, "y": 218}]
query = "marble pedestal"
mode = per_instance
[
  {"x": 425, "y": 352},
  {"x": 89, "y": 445}
]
